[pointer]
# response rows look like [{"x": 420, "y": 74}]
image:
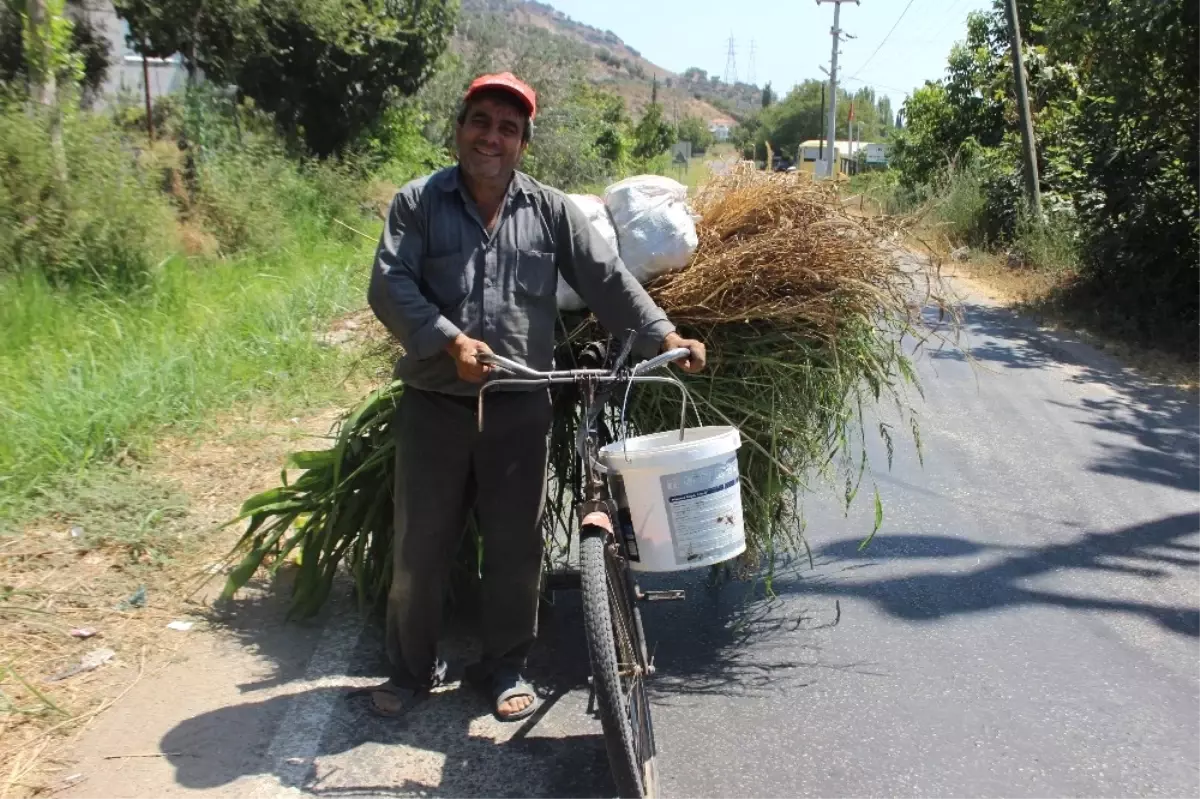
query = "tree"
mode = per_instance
[
  {"x": 928, "y": 142},
  {"x": 883, "y": 110},
  {"x": 652, "y": 136},
  {"x": 582, "y": 139},
  {"x": 695, "y": 74},
  {"x": 767, "y": 96},
  {"x": 694, "y": 130},
  {"x": 46, "y": 38},
  {"x": 654, "y": 91},
  {"x": 214, "y": 35},
  {"x": 1130, "y": 155},
  {"x": 1115, "y": 97},
  {"x": 326, "y": 69},
  {"x": 792, "y": 120},
  {"x": 86, "y": 49}
]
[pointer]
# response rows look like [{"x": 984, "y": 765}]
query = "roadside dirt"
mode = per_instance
[
  {"x": 1026, "y": 291},
  {"x": 77, "y": 571}
]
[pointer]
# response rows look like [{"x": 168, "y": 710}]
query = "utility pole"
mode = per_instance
[
  {"x": 821, "y": 139},
  {"x": 836, "y": 33},
  {"x": 149, "y": 107},
  {"x": 731, "y": 62},
  {"x": 1027, "y": 140}
]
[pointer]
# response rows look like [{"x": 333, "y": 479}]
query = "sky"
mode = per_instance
[{"x": 791, "y": 37}]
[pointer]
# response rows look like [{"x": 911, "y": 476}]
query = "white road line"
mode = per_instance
[{"x": 297, "y": 740}]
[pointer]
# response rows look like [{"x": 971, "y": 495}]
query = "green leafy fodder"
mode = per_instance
[{"x": 340, "y": 508}]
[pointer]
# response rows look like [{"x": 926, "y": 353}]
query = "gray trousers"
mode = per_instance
[{"x": 445, "y": 468}]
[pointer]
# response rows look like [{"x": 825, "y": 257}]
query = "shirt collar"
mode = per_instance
[{"x": 448, "y": 180}]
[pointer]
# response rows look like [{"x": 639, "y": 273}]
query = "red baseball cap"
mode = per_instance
[{"x": 508, "y": 82}]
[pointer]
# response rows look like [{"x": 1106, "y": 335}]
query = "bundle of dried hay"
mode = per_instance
[{"x": 780, "y": 247}]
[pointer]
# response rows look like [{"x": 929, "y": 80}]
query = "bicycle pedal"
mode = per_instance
[{"x": 674, "y": 595}]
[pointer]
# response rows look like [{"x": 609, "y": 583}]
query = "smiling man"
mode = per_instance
[{"x": 468, "y": 263}]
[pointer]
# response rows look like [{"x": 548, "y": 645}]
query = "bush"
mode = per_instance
[
  {"x": 1053, "y": 245},
  {"x": 109, "y": 224},
  {"x": 235, "y": 177},
  {"x": 978, "y": 201},
  {"x": 581, "y": 141}
]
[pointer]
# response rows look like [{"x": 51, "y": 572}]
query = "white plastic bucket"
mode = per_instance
[{"x": 684, "y": 497}]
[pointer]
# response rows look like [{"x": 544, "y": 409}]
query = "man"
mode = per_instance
[{"x": 468, "y": 264}]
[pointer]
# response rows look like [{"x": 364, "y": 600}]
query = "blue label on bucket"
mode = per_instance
[{"x": 704, "y": 511}]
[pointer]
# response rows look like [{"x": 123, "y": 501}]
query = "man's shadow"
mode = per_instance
[{"x": 448, "y": 745}]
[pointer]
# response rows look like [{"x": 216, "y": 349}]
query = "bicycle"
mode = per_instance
[{"x": 612, "y": 621}]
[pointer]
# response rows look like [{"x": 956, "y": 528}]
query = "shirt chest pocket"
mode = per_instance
[
  {"x": 447, "y": 280},
  {"x": 536, "y": 275}
]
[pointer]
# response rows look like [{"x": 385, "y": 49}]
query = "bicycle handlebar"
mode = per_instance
[
  {"x": 531, "y": 378},
  {"x": 564, "y": 375}
]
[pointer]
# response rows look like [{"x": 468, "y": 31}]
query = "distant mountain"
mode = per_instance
[{"x": 609, "y": 63}]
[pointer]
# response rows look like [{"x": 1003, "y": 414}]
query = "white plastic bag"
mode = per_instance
[
  {"x": 655, "y": 229},
  {"x": 593, "y": 208}
]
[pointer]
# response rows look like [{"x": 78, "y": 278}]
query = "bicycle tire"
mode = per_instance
[
  {"x": 630, "y": 751},
  {"x": 643, "y": 727}
]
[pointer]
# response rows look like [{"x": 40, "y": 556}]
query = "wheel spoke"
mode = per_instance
[{"x": 631, "y": 669}]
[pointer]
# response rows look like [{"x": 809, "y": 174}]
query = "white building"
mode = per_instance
[
  {"x": 125, "y": 69},
  {"x": 720, "y": 128},
  {"x": 876, "y": 153},
  {"x": 872, "y": 153}
]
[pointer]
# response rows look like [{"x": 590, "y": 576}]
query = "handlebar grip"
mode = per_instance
[
  {"x": 500, "y": 362},
  {"x": 658, "y": 361}
]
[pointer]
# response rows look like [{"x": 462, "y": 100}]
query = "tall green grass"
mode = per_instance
[
  {"x": 983, "y": 207},
  {"x": 107, "y": 224},
  {"x": 110, "y": 333},
  {"x": 86, "y": 375}
]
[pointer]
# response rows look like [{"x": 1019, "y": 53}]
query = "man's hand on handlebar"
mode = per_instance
[
  {"x": 466, "y": 351},
  {"x": 696, "y": 358}
]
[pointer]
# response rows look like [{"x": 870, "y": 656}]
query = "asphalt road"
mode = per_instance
[{"x": 1026, "y": 623}]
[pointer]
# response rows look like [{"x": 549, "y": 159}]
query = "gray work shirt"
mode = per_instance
[{"x": 439, "y": 273}]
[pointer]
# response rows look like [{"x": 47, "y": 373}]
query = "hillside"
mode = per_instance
[{"x": 601, "y": 56}]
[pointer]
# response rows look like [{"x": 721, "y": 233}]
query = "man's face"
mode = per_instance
[{"x": 489, "y": 140}]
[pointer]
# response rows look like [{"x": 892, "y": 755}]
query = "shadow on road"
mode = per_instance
[
  {"x": 727, "y": 638},
  {"x": 1157, "y": 549},
  {"x": 570, "y": 766},
  {"x": 446, "y": 746},
  {"x": 1152, "y": 431}
]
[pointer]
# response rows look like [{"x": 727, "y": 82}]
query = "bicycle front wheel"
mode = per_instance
[{"x": 617, "y": 650}]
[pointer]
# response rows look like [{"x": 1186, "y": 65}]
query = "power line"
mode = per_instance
[
  {"x": 948, "y": 23},
  {"x": 885, "y": 38},
  {"x": 878, "y": 85}
]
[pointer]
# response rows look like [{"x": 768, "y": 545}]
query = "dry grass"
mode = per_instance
[
  {"x": 781, "y": 248},
  {"x": 54, "y": 583},
  {"x": 802, "y": 305},
  {"x": 1034, "y": 292}
]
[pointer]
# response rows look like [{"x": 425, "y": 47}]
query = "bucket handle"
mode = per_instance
[{"x": 685, "y": 396}]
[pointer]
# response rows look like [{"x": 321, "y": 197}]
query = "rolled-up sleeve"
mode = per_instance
[
  {"x": 395, "y": 290},
  {"x": 589, "y": 265}
]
